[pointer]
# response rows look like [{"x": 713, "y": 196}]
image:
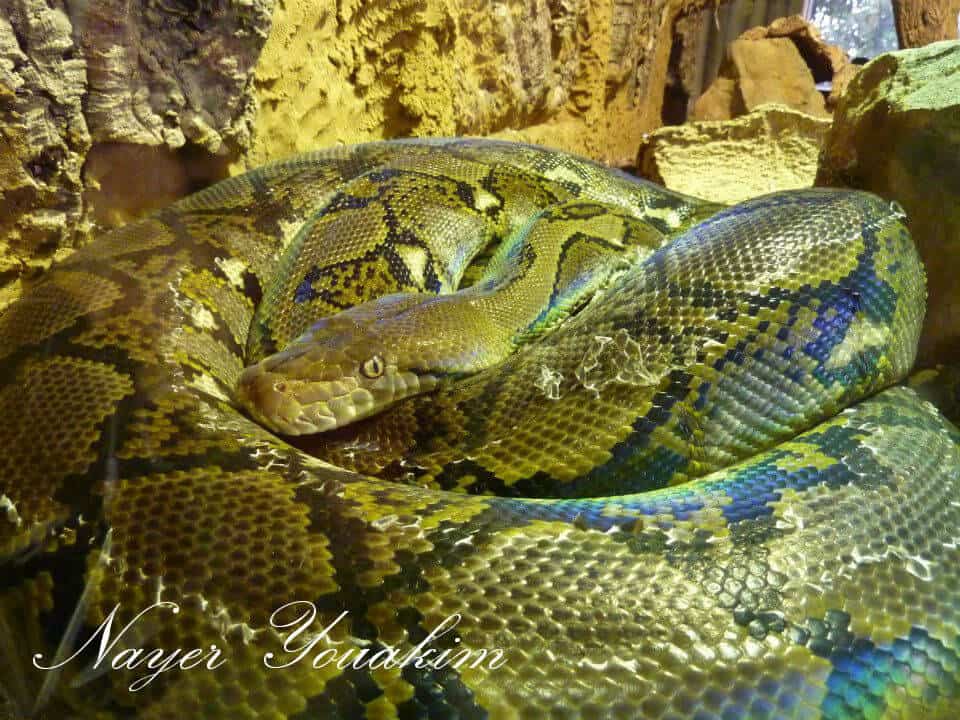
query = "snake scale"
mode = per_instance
[{"x": 699, "y": 496}]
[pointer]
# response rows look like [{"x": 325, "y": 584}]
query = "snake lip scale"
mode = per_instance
[{"x": 661, "y": 460}]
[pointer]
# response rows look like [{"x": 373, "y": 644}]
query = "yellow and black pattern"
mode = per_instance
[
  {"x": 424, "y": 211},
  {"x": 811, "y": 570},
  {"x": 361, "y": 360}
]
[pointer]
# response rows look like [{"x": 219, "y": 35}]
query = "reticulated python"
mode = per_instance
[{"x": 810, "y": 571}]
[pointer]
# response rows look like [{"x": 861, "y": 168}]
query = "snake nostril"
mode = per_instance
[{"x": 280, "y": 387}]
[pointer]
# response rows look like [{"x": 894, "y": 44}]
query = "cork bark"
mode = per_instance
[
  {"x": 111, "y": 108},
  {"x": 44, "y": 136},
  {"x": 921, "y": 22}
]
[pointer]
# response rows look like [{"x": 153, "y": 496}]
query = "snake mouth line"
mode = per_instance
[{"x": 304, "y": 407}]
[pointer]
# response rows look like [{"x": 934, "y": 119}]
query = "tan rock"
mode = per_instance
[
  {"x": 585, "y": 76},
  {"x": 897, "y": 133},
  {"x": 828, "y": 63},
  {"x": 761, "y": 67},
  {"x": 840, "y": 83},
  {"x": 824, "y": 60},
  {"x": 43, "y": 136},
  {"x": 772, "y": 148},
  {"x": 721, "y": 101},
  {"x": 773, "y": 71}
]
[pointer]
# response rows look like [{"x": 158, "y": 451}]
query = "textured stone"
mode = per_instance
[
  {"x": 827, "y": 63},
  {"x": 762, "y": 68},
  {"x": 840, "y": 83},
  {"x": 720, "y": 101},
  {"x": 824, "y": 60},
  {"x": 160, "y": 74},
  {"x": 582, "y": 76},
  {"x": 897, "y": 133},
  {"x": 773, "y": 71},
  {"x": 771, "y": 148}
]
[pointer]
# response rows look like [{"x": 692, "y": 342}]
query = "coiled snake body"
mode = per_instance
[{"x": 689, "y": 523}]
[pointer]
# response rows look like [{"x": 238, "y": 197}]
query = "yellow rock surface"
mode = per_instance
[
  {"x": 772, "y": 71},
  {"x": 583, "y": 76},
  {"x": 771, "y": 148}
]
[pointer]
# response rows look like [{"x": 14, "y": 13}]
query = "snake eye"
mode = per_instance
[{"x": 373, "y": 367}]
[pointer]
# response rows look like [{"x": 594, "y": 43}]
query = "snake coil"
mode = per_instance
[{"x": 697, "y": 497}]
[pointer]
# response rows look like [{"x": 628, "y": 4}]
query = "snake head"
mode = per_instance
[{"x": 341, "y": 370}]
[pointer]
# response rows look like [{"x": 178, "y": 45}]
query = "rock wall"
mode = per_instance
[
  {"x": 583, "y": 75},
  {"x": 44, "y": 136}
]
